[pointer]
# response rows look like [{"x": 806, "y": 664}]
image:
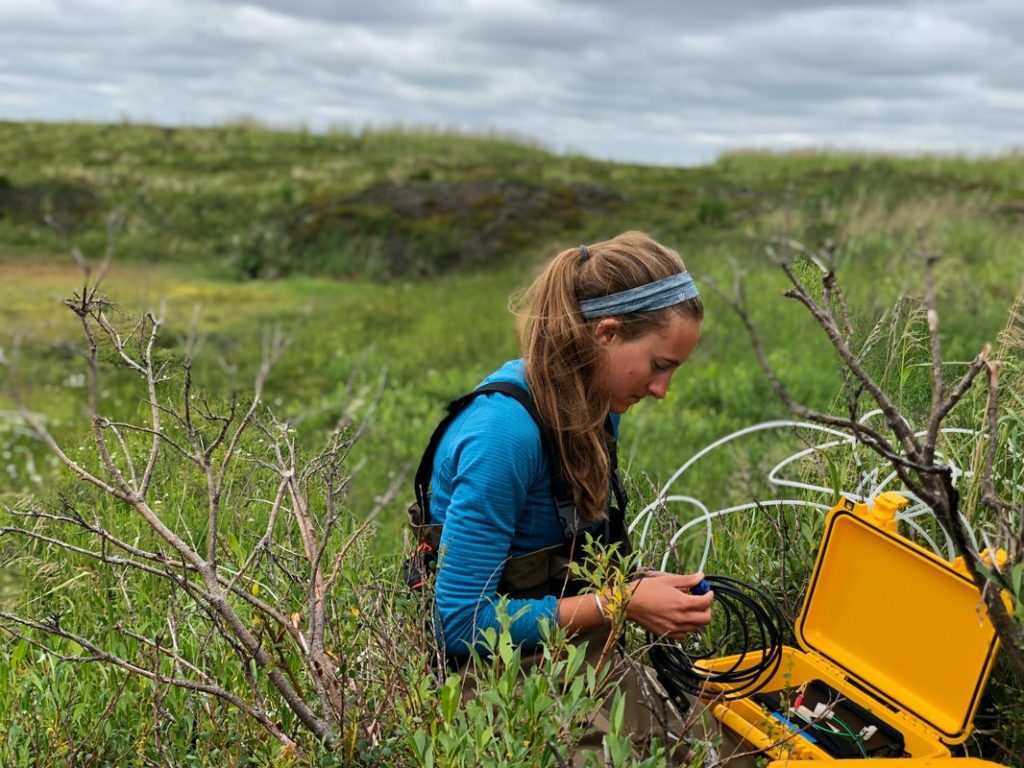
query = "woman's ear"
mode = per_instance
[{"x": 607, "y": 330}]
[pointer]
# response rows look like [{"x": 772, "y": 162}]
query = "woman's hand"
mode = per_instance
[{"x": 662, "y": 604}]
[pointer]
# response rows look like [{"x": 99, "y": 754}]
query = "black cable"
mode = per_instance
[{"x": 751, "y": 617}]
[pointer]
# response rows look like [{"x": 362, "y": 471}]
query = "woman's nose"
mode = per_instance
[{"x": 658, "y": 387}]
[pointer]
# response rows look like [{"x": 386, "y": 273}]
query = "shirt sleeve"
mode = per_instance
[{"x": 493, "y": 459}]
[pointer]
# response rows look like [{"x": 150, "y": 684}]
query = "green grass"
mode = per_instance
[{"x": 369, "y": 286}]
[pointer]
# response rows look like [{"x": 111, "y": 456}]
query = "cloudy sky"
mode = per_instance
[{"x": 653, "y": 81}]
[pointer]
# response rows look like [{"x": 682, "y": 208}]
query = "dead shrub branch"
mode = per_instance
[
  {"x": 266, "y": 605},
  {"x": 911, "y": 455}
]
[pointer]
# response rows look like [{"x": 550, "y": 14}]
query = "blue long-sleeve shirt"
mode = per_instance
[{"x": 491, "y": 490}]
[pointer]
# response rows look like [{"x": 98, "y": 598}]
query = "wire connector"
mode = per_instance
[{"x": 701, "y": 589}]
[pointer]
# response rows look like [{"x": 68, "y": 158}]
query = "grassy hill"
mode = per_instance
[
  {"x": 247, "y": 201},
  {"x": 423, "y": 237}
]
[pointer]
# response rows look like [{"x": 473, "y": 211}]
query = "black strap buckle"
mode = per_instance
[{"x": 569, "y": 518}]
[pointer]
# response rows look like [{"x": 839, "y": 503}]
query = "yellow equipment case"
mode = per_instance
[{"x": 891, "y": 637}]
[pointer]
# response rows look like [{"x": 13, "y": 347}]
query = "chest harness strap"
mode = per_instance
[{"x": 421, "y": 564}]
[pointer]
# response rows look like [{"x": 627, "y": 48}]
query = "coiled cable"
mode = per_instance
[{"x": 752, "y": 620}]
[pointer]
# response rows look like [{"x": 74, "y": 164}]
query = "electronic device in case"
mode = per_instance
[{"x": 894, "y": 649}]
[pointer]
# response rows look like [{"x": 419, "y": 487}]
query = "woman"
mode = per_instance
[
  {"x": 586, "y": 354},
  {"x": 602, "y": 327}
]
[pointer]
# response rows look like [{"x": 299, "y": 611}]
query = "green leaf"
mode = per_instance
[
  {"x": 451, "y": 695},
  {"x": 423, "y": 748},
  {"x": 20, "y": 649}
]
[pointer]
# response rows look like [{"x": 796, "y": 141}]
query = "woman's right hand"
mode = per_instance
[{"x": 662, "y": 604}]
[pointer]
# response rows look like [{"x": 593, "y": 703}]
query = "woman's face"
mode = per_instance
[{"x": 644, "y": 366}]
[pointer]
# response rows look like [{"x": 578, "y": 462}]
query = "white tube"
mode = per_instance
[{"x": 708, "y": 516}]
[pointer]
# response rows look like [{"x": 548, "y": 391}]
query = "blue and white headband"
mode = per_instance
[{"x": 667, "y": 292}]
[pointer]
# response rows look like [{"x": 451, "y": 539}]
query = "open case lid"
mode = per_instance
[{"x": 900, "y": 621}]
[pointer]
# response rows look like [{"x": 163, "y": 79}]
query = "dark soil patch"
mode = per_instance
[
  {"x": 63, "y": 207},
  {"x": 425, "y": 227}
]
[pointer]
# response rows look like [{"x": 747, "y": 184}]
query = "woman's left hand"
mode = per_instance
[{"x": 662, "y": 604}]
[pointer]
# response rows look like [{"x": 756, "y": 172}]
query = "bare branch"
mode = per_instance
[
  {"x": 915, "y": 463},
  {"x": 263, "y": 544},
  {"x": 101, "y": 556},
  {"x": 225, "y": 608},
  {"x": 989, "y": 495},
  {"x": 40, "y": 430},
  {"x": 158, "y": 436},
  {"x": 870, "y": 437},
  {"x": 171, "y": 653},
  {"x": 938, "y": 385},
  {"x": 382, "y": 502},
  {"x": 956, "y": 394},
  {"x": 166, "y": 569},
  {"x": 99, "y": 654},
  {"x": 154, "y": 411},
  {"x": 144, "y": 366},
  {"x": 274, "y": 345},
  {"x": 895, "y": 420},
  {"x": 107, "y": 424}
]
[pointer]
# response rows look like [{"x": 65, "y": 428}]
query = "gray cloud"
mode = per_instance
[{"x": 651, "y": 81}]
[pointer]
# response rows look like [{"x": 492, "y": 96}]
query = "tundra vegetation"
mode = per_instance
[{"x": 208, "y": 440}]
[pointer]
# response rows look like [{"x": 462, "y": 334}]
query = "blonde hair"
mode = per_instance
[{"x": 564, "y": 362}]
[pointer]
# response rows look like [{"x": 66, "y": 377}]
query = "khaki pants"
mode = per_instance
[{"x": 693, "y": 738}]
